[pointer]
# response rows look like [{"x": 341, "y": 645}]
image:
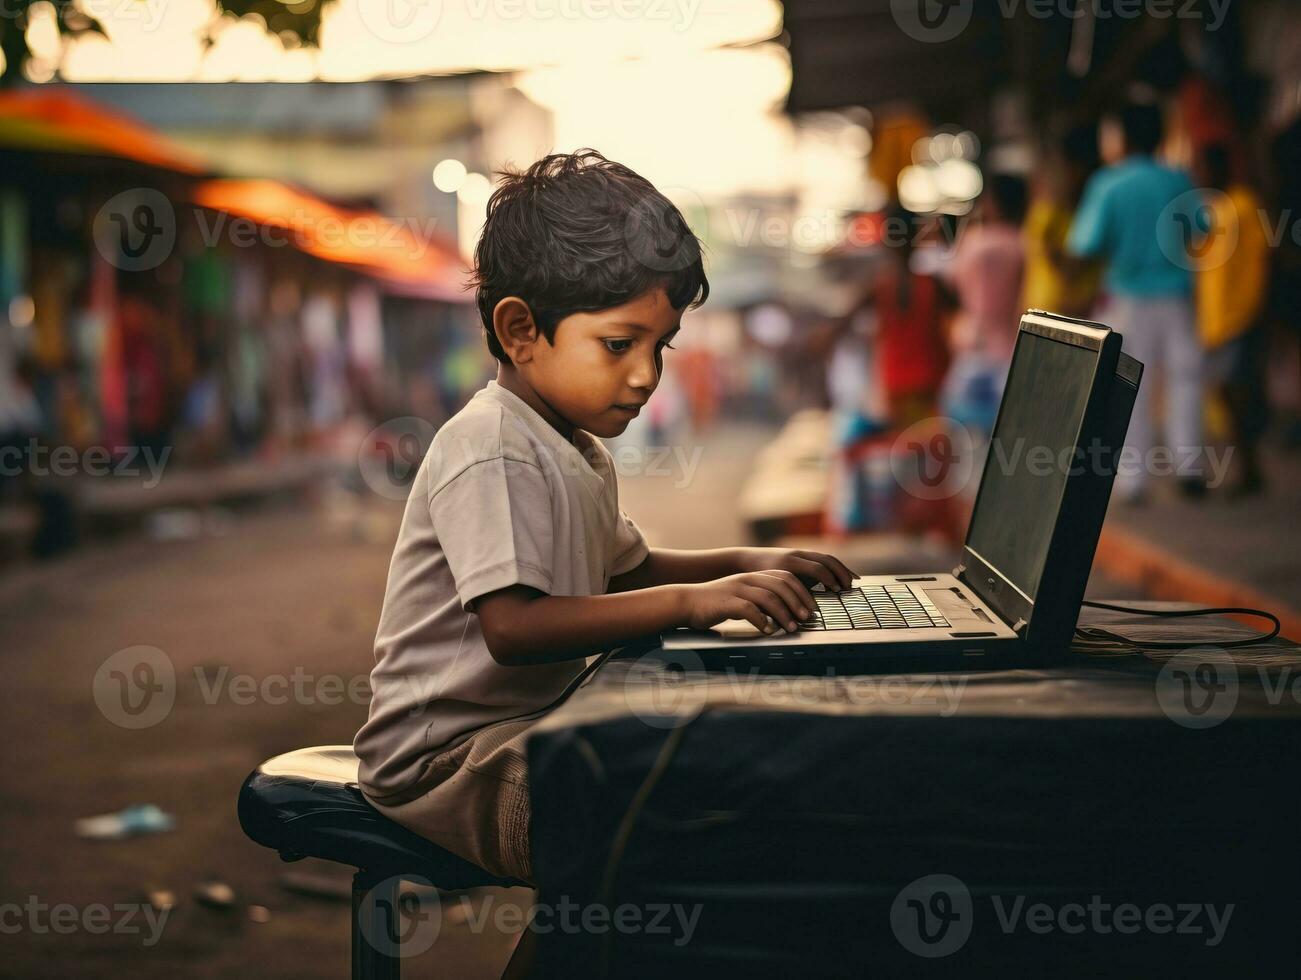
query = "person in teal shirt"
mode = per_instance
[{"x": 1146, "y": 222}]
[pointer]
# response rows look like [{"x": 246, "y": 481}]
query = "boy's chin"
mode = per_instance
[{"x": 607, "y": 428}]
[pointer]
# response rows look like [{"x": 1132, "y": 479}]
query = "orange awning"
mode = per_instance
[
  {"x": 413, "y": 261},
  {"x": 60, "y": 121}
]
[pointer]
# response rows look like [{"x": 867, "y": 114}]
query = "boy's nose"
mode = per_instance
[{"x": 644, "y": 376}]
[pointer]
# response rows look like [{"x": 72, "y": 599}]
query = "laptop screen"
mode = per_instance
[{"x": 1030, "y": 454}]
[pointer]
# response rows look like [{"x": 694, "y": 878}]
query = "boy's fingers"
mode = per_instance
[
  {"x": 770, "y": 603},
  {"x": 802, "y": 590},
  {"x": 814, "y": 570},
  {"x": 750, "y": 613},
  {"x": 790, "y": 588},
  {"x": 838, "y": 568}
]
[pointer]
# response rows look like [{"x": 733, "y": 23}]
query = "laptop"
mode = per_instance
[{"x": 1015, "y": 596}]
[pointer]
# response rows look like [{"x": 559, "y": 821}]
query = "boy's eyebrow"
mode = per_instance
[{"x": 642, "y": 328}]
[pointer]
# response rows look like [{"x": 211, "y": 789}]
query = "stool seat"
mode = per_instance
[{"x": 307, "y": 804}]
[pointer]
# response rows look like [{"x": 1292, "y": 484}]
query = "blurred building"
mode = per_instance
[{"x": 148, "y": 304}]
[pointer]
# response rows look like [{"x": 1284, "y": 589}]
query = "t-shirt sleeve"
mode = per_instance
[
  {"x": 627, "y": 545},
  {"x": 493, "y": 521},
  {"x": 628, "y": 549},
  {"x": 1090, "y": 231}
]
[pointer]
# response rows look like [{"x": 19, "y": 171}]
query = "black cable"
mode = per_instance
[
  {"x": 629, "y": 820},
  {"x": 1096, "y": 632}
]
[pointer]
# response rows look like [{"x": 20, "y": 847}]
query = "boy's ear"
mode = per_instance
[{"x": 516, "y": 330}]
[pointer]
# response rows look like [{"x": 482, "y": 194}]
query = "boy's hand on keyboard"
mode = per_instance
[
  {"x": 761, "y": 598},
  {"x": 811, "y": 566}
]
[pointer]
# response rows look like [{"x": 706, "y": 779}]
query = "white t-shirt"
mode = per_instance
[{"x": 500, "y": 499}]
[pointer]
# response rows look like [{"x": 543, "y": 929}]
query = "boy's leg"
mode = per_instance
[
  {"x": 521, "y": 961},
  {"x": 477, "y": 805}
]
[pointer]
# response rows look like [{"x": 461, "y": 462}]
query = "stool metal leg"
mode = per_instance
[{"x": 375, "y": 925}]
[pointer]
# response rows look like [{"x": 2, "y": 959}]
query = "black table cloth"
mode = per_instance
[{"x": 1112, "y": 816}]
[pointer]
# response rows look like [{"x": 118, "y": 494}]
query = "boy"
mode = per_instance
[{"x": 514, "y": 562}]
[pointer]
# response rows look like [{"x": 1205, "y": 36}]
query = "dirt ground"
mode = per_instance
[{"x": 282, "y": 599}]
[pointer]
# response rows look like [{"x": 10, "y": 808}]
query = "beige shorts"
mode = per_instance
[{"x": 477, "y": 803}]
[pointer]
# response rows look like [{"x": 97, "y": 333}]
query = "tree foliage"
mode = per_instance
[{"x": 301, "y": 21}]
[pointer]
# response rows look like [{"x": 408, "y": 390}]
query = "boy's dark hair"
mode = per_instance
[
  {"x": 576, "y": 233},
  {"x": 1143, "y": 126}
]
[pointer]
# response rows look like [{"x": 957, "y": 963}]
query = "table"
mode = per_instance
[{"x": 1106, "y": 817}]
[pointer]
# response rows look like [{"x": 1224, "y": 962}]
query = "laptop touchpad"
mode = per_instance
[{"x": 957, "y": 608}]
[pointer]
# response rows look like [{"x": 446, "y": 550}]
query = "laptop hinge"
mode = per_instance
[{"x": 960, "y": 573}]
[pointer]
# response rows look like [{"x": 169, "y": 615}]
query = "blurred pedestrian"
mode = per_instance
[
  {"x": 1137, "y": 215},
  {"x": 1231, "y": 285},
  {"x": 1052, "y": 281},
  {"x": 20, "y": 414},
  {"x": 909, "y": 337},
  {"x": 986, "y": 274}
]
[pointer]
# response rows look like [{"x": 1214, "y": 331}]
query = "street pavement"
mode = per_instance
[{"x": 263, "y": 621}]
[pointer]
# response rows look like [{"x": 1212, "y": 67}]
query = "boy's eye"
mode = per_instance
[{"x": 617, "y": 345}]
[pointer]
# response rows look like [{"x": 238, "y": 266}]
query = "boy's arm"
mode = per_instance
[
  {"x": 664, "y": 566},
  {"x": 524, "y": 626}
]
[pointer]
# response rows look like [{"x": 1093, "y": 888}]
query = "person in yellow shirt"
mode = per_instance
[
  {"x": 1232, "y": 267},
  {"x": 1054, "y": 280}
]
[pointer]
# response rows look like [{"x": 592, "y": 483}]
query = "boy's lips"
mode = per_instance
[{"x": 632, "y": 409}]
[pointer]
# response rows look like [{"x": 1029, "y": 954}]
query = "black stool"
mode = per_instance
[{"x": 307, "y": 804}]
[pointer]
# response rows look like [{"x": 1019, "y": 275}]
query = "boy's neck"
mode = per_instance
[{"x": 510, "y": 379}]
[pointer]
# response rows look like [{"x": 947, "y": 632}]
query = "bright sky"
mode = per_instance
[
  {"x": 684, "y": 91},
  {"x": 160, "y": 40}
]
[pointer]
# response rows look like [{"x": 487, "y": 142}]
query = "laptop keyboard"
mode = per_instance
[{"x": 892, "y": 606}]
